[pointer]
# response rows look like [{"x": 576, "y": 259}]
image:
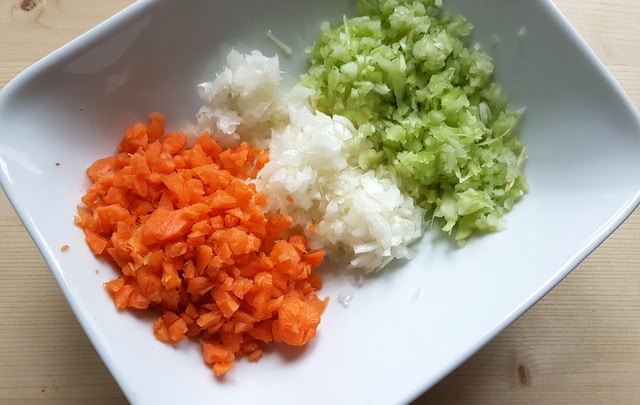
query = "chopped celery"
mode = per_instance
[{"x": 406, "y": 75}]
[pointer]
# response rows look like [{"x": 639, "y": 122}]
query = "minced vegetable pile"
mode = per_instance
[{"x": 397, "y": 123}]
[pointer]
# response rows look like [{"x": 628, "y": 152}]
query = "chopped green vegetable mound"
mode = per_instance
[{"x": 404, "y": 73}]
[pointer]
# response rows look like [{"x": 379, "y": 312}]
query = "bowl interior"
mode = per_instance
[{"x": 405, "y": 328}]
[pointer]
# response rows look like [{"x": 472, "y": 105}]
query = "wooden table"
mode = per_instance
[{"x": 580, "y": 344}]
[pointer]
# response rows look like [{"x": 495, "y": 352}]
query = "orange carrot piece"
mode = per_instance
[
  {"x": 297, "y": 321},
  {"x": 96, "y": 242},
  {"x": 215, "y": 352},
  {"x": 221, "y": 368},
  {"x": 156, "y": 126},
  {"x": 135, "y": 138},
  {"x": 100, "y": 168},
  {"x": 164, "y": 225},
  {"x": 192, "y": 242},
  {"x": 314, "y": 258},
  {"x": 227, "y": 303}
]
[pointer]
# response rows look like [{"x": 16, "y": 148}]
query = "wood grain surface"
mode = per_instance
[{"x": 579, "y": 345}]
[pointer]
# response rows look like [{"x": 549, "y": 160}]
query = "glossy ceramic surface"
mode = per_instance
[{"x": 404, "y": 329}]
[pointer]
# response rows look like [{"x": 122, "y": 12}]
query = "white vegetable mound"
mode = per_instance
[
  {"x": 243, "y": 101},
  {"x": 313, "y": 174}
]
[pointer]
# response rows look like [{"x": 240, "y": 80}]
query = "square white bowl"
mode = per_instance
[{"x": 404, "y": 329}]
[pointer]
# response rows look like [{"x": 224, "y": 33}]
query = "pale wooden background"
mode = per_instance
[{"x": 579, "y": 345}]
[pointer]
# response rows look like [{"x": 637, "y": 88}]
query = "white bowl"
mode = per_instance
[{"x": 404, "y": 329}]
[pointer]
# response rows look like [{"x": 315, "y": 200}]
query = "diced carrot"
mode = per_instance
[
  {"x": 209, "y": 319},
  {"x": 263, "y": 159},
  {"x": 135, "y": 138},
  {"x": 297, "y": 321},
  {"x": 177, "y": 330},
  {"x": 164, "y": 225},
  {"x": 241, "y": 286},
  {"x": 97, "y": 243},
  {"x": 198, "y": 285},
  {"x": 109, "y": 216},
  {"x": 314, "y": 258},
  {"x": 139, "y": 164},
  {"x": 174, "y": 143},
  {"x": 156, "y": 126},
  {"x": 221, "y": 368},
  {"x": 100, "y": 168},
  {"x": 263, "y": 331},
  {"x": 192, "y": 242},
  {"x": 227, "y": 303},
  {"x": 209, "y": 145},
  {"x": 160, "y": 330},
  {"x": 170, "y": 328},
  {"x": 216, "y": 352},
  {"x": 149, "y": 283}
]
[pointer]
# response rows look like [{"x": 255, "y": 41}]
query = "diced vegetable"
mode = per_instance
[
  {"x": 191, "y": 239},
  {"x": 404, "y": 73}
]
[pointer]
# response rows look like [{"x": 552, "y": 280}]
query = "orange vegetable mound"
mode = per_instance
[{"x": 192, "y": 242}]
